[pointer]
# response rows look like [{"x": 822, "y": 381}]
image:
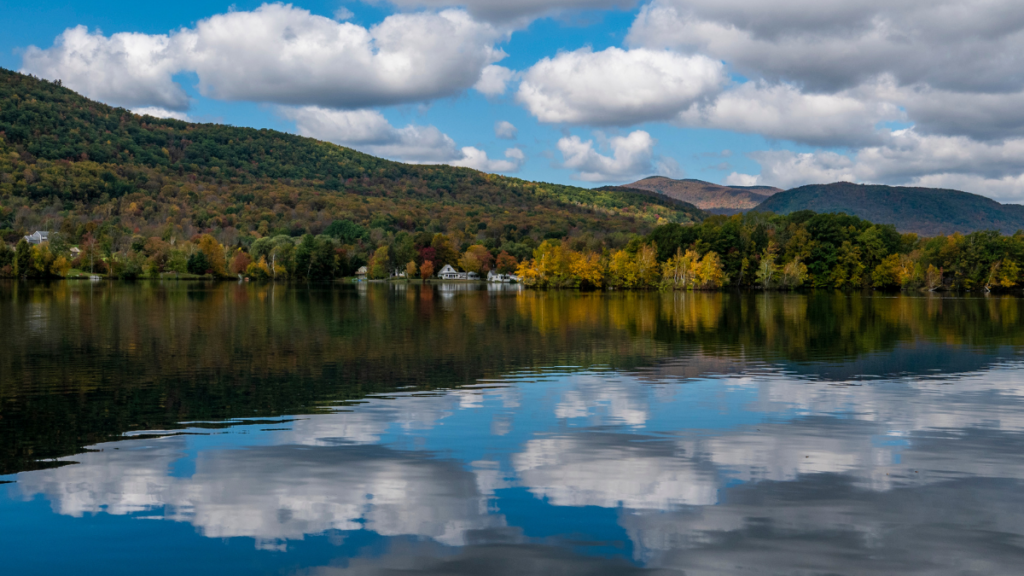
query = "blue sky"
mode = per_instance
[{"x": 778, "y": 92}]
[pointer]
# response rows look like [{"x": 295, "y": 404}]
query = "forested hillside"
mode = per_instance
[
  {"x": 925, "y": 211},
  {"x": 137, "y": 188}
]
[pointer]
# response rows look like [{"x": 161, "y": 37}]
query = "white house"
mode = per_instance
[
  {"x": 361, "y": 273},
  {"x": 495, "y": 277},
  {"x": 449, "y": 273},
  {"x": 38, "y": 238}
]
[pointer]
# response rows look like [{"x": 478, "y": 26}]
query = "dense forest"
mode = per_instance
[
  {"x": 137, "y": 194},
  {"x": 800, "y": 250}
]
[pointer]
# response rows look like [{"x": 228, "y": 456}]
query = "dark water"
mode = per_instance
[{"x": 237, "y": 429}]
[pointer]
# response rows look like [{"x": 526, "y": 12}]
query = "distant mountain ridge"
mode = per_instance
[
  {"x": 925, "y": 211},
  {"x": 713, "y": 198}
]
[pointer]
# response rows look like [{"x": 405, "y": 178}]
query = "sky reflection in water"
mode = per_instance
[{"x": 692, "y": 464}]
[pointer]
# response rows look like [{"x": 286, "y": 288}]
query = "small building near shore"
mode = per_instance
[
  {"x": 361, "y": 273},
  {"x": 450, "y": 273},
  {"x": 495, "y": 277}
]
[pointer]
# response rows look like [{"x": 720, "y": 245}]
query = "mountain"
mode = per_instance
[
  {"x": 925, "y": 211},
  {"x": 77, "y": 166},
  {"x": 707, "y": 196}
]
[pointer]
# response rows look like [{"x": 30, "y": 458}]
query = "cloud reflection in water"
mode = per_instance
[{"x": 913, "y": 474}]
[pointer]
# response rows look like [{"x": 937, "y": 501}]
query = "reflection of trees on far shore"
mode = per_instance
[{"x": 84, "y": 362}]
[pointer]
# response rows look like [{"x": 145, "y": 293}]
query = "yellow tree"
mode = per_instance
[
  {"x": 677, "y": 270},
  {"x": 528, "y": 272},
  {"x": 259, "y": 270},
  {"x": 214, "y": 253},
  {"x": 60, "y": 266},
  {"x": 378, "y": 267},
  {"x": 932, "y": 278},
  {"x": 794, "y": 274},
  {"x": 552, "y": 261},
  {"x": 622, "y": 269},
  {"x": 1004, "y": 273},
  {"x": 586, "y": 268},
  {"x": 647, "y": 269},
  {"x": 711, "y": 275}
]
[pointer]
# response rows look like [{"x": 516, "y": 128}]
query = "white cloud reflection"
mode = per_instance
[{"x": 829, "y": 462}]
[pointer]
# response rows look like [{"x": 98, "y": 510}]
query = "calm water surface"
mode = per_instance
[{"x": 174, "y": 428}]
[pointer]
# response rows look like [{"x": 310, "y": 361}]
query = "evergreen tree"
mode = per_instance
[
  {"x": 22, "y": 259},
  {"x": 198, "y": 263}
]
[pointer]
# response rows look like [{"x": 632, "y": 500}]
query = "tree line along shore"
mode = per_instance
[{"x": 756, "y": 250}]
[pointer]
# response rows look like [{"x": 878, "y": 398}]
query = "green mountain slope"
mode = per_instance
[
  {"x": 707, "y": 196},
  {"x": 74, "y": 165},
  {"x": 925, "y": 211}
]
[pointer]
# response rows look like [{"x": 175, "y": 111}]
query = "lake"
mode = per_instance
[{"x": 220, "y": 428}]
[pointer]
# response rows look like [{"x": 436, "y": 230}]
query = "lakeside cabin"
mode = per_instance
[
  {"x": 361, "y": 273},
  {"x": 450, "y": 273}
]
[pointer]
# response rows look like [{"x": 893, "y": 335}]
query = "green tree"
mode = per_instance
[
  {"x": 198, "y": 263},
  {"x": 303, "y": 264},
  {"x": 324, "y": 261},
  {"x": 767, "y": 270},
  {"x": 379, "y": 264},
  {"x": 794, "y": 274},
  {"x": 346, "y": 231},
  {"x": 6, "y": 258},
  {"x": 444, "y": 252},
  {"x": 22, "y": 259}
]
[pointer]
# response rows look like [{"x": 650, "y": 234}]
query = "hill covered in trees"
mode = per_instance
[
  {"x": 116, "y": 181},
  {"x": 714, "y": 198},
  {"x": 925, "y": 211}
]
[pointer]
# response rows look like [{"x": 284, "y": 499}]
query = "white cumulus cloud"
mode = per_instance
[
  {"x": 282, "y": 54},
  {"x": 632, "y": 157},
  {"x": 965, "y": 45},
  {"x": 518, "y": 11},
  {"x": 125, "y": 69},
  {"x": 783, "y": 112},
  {"x": 505, "y": 130},
  {"x": 370, "y": 132},
  {"x": 494, "y": 80},
  {"x": 617, "y": 87},
  {"x": 157, "y": 112},
  {"x": 478, "y": 160}
]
